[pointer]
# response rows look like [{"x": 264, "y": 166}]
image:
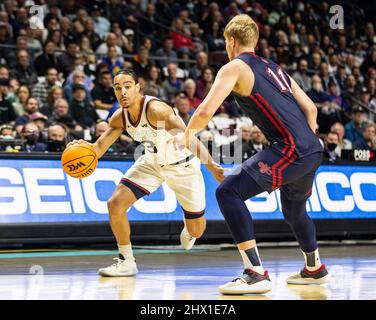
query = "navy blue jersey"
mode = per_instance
[{"x": 273, "y": 108}]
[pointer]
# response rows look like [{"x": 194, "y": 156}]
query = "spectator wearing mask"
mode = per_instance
[
  {"x": 354, "y": 129},
  {"x": 56, "y": 138},
  {"x": 82, "y": 112},
  {"x": 7, "y": 113},
  {"x": 31, "y": 134},
  {"x": 331, "y": 143},
  {"x": 368, "y": 141},
  {"x": 42, "y": 88}
]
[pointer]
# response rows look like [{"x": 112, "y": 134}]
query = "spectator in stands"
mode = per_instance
[
  {"x": 42, "y": 89},
  {"x": 24, "y": 71},
  {"x": 315, "y": 63},
  {"x": 113, "y": 62},
  {"x": 57, "y": 38},
  {"x": 56, "y": 138},
  {"x": 215, "y": 38},
  {"x": 7, "y": 113},
  {"x": 201, "y": 63},
  {"x": 153, "y": 83},
  {"x": 101, "y": 23},
  {"x": 32, "y": 106},
  {"x": 122, "y": 40},
  {"x": 39, "y": 119},
  {"x": 166, "y": 53},
  {"x": 172, "y": 85},
  {"x": 331, "y": 143},
  {"x": 103, "y": 93},
  {"x": 129, "y": 34},
  {"x": 78, "y": 77},
  {"x": 111, "y": 40},
  {"x": 183, "y": 108},
  {"x": 46, "y": 59},
  {"x": 365, "y": 99},
  {"x": 197, "y": 38},
  {"x": 343, "y": 144},
  {"x": 351, "y": 88},
  {"x": 301, "y": 76},
  {"x": 55, "y": 93},
  {"x": 147, "y": 25},
  {"x": 89, "y": 32},
  {"x": 22, "y": 95},
  {"x": 83, "y": 112},
  {"x": 66, "y": 59},
  {"x": 11, "y": 56},
  {"x": 180, "y": 38},
  {"x": 354, "y": 129},
  {"x": 368, "y": 141},
  {"x": 190, "y": 91},
  {"x": 205, "y": 82},
  {"x": 30, "y": 133},
  {"x": 141, "y": 63}
]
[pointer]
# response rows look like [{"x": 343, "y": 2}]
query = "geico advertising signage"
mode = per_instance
[{"x": 39, "y": 191}]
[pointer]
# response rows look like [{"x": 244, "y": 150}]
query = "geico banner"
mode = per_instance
[{"x": 39, "y": 191}]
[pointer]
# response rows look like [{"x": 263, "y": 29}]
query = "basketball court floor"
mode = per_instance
[{"x": 169, "y": 273}]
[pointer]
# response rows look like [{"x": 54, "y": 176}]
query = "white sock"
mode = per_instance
[
  {"x": 126, "y": 251},
  {"x": 312, "y": 260},
  {"x": 251, "y": 260}
]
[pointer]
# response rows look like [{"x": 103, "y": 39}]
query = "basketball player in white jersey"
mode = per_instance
[{"x": 149, "y": 120}]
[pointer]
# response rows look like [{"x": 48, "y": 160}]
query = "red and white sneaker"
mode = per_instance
[
  {"x": 319, "y": 276},
  {"x": 249, "y": 282}
]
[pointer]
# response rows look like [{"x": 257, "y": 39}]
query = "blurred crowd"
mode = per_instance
[{"x": 56, "y": 72}]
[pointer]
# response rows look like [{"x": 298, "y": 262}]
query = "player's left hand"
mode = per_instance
[{"x": 217, "y": 171}]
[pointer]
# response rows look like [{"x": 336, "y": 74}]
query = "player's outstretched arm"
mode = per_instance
[
  {"x": 160, "y": 113},
  {"x": 305, "y": 103},
  {"x": 224, "y": 83},
  {"x": 108, "y": 137}
]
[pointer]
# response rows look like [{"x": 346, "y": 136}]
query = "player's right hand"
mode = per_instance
[{"x": 77, "y": 142}]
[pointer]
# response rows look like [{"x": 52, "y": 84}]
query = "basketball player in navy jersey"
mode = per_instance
[{"x": 287, "y": 117}]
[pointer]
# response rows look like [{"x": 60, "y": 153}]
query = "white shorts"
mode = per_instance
[{"x": 185, "y": 179}]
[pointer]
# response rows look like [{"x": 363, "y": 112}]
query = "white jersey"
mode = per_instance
[{"x": 154, "y": 140}]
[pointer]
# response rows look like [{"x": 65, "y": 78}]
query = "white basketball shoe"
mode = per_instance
[
  {"x": 121, "y": 268},
  {"x": 320, "y": 276},
  {"x": 186, "y": 240},
  {"x": 250, "y": 282}
]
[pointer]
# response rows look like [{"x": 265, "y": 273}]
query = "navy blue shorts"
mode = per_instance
[{"x": 292, "y": 174}]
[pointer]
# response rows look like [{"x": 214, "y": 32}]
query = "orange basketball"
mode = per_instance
[{"x": 79, "y": 160}]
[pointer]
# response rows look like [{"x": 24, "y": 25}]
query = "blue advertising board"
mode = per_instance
[{"x": 39, "y": 191}]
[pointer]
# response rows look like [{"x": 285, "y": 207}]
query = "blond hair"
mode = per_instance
[{"x": 243, "y": 29}]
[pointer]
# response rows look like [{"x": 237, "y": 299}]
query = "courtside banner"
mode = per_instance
[{"x": 39, "y": 191}]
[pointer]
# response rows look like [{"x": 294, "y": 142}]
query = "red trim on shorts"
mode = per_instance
[
  {"x": 287, "y": 139},
  {"x": 136, "y": 185}
]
